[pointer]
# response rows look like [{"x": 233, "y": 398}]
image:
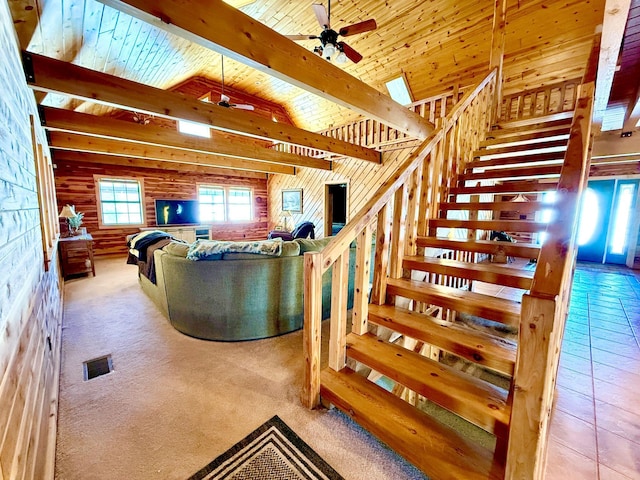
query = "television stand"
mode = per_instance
[{"x": 188, "y": 233}]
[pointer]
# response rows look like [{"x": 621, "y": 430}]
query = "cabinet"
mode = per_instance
[{"x": 76, "y": 255}]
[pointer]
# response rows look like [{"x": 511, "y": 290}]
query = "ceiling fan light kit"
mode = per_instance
[{"x": 329, "y": 44}]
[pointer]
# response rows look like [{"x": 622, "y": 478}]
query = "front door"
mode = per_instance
[{"x": 606, "y": 217}]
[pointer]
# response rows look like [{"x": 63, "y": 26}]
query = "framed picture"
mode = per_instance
[{"x": 292, "y": 200}]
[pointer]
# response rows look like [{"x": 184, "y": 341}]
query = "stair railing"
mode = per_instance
[
  {"x": 400, "y": 210},
  {"x": 544, "y": 308}
]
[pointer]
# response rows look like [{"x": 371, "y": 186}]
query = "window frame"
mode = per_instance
[
  {"x": 226, "y": 189},
  {"x": 140, "y": 181}
]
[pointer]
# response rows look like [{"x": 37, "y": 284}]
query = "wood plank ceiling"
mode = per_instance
[{"x": 436, "y": 45}]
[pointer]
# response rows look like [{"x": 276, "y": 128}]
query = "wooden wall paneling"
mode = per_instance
[{"x": 75, "y": 185}]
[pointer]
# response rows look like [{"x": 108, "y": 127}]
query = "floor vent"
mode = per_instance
[{"x": 98, "y": 366}]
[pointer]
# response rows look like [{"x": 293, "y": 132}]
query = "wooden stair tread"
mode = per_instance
[
  {"x": 515, "y": 207},
  {"x": 531, "y": 158},
  {"x": 491, "y": 247},
  {"x": 478, "y": 347},
  {"x": 483, "y": 272},
  {"x": 525, "y": 226},
  {"x": 507, "y": 187},
  {"x": 525, "y": 136},
  {"x": 526, "y": 147},
  {"x": 518, "y": 126},
  {"x": 475, "y": 400},
  {"x": 434, "y": 448},
  {"x": 512, "y": 172},
  {"x": 484, "y": 306}
]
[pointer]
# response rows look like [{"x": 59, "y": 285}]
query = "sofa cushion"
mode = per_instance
[
  {"x": 289, "y": 249},
  {"x": 211, "y": 249},
  {"x": 179, "y": 249},
  {"x": 310, "y": 245}
]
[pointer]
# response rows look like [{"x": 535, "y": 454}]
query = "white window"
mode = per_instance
[
  {"x": 225, "y": 204},
  {"x": 192, "y": 128},
  {"x": 120, "y": 201}
]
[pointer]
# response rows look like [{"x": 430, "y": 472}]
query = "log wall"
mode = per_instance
[
  {"x": 362, "y": 178},
  {"x": 75, "y": 185},
  {"x": 30, "y": 295}
]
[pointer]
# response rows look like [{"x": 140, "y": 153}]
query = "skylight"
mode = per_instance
[{"x": 399, "y": 90}]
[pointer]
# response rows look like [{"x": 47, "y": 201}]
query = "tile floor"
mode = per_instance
[{"x": 595, "y": 426}]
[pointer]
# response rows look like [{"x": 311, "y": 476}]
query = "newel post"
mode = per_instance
[
  {"x": 535, "y": 376},
  {"x": 312, "y": 328}
]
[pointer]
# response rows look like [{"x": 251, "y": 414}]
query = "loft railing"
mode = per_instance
[
  {"x": 544, "y": 308},
  {"x": 400, "y": 210},
  {"x": 374, "y": 134},
  {"x": 559, "y": 98}
]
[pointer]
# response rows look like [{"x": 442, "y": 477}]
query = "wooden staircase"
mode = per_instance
[
  {"x": 428, "y": 321},
  {"x": 477, "y": 401}
]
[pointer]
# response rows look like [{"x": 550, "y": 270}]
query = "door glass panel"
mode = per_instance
[
  {"x": 589, "y": 217},
  {"x": 622, "y": 215}
]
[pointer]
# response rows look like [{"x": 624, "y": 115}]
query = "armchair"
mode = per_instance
[{"x": 304, "y": 230}]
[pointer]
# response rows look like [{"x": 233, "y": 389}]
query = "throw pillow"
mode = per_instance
[
  {"x": 206, "y": 249},
  {"x": 178, "y": 249},
  {"x": 309, "y": 245},
  {"x": 290, "y": 249}
]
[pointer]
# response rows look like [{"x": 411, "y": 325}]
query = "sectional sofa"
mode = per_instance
[{"x": 236, "y": 296}]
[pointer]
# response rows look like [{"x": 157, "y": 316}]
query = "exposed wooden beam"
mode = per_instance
[
  {"x": 50, "y": 75},
  {"x": 222, "y": 28},
  {"x": 105, "y": 127},
  {"x": 97, "y": 158},
  {"x": 83, "y": 143},
  {"x": 615, "y": 20}
]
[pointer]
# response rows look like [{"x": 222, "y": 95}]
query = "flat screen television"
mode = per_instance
[{"x": 177, "y": 212}]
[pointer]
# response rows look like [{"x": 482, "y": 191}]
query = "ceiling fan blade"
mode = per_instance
[
  {"x": 244, "y": 107},
  {"x": 361, "y": 27},
  {"x": 301, "y": 37},
  {"x": 321, "y": 15},
  {"x": 224, "y": 98},
  {"x": 351, "y": 54}
]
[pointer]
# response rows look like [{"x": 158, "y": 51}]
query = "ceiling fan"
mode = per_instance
[
  {"x": 329, "y": 44},
  {"x": 225, "y": 101}
]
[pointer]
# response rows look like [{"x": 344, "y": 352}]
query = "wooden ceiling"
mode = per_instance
[{"x": 437, "y": 45}]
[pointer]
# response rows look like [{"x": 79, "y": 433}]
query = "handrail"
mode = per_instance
[
  {"x": 545, "y": 307},
  {"x": 383, "y": 195},
  {"x": 413, "y": 189}
]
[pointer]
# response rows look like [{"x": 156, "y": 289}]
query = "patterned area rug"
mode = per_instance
[{"x": 271, "y": 452}]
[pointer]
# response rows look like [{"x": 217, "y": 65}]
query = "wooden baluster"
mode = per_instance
[
  {"x": 361, "y": 284},
  {"x": 312, "y": 328},
  {"x": 379, "y": 291},
  {"x": 338, "y": 327},
  {"x": 398, "y": 232},
  {"x": 413, "y": 195},
  {"x": 425, "y": 192}
]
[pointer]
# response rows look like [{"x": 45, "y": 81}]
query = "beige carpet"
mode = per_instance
[{"x": 174, "y": 403}]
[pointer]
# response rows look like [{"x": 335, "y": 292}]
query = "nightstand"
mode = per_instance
[{"x": 76, "y": 255}]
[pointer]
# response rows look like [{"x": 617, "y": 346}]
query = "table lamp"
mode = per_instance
[
  {"x": 67, "y": 212},
  {"x": 286, "y": 215}
]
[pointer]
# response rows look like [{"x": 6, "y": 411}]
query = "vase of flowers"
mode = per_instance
[{"x": 75, "y": 222}]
